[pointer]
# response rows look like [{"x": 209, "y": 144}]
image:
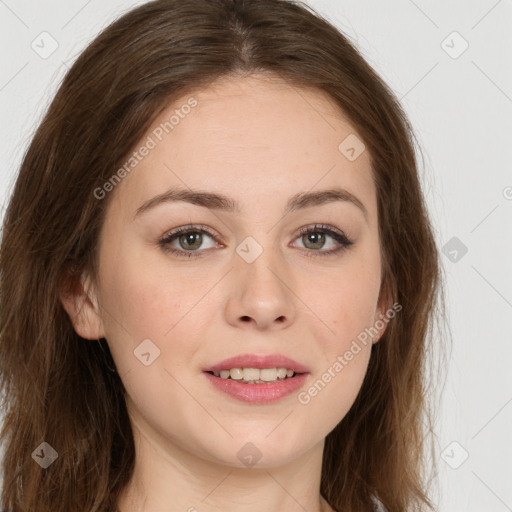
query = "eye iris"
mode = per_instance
[
  {"x": 316, "y": 238},
  {"x": 189, "y": 238}
]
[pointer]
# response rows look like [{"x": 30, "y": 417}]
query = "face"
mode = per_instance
[{"x": 256, "y": 278}]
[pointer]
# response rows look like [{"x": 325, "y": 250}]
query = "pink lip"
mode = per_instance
[
  {"x": 258, "y": 361},
  {"x": 258, "y": 393}
]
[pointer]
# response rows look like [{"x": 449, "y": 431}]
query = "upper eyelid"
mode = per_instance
[{"x": 190, "y": 229}]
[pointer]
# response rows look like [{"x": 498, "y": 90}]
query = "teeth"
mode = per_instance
[{"x": 255, "y": 374}]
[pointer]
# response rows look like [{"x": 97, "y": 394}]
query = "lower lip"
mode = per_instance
[{"x": 258, "y": 393}]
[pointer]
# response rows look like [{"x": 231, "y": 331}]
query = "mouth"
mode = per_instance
[
  {"x": 250, "y": 388},
  {"x": 257, "y": 378}
]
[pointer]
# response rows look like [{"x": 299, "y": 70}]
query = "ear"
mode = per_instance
[
  {"x": 385, "y": 303},
  {"x": 79, "y": 298}
]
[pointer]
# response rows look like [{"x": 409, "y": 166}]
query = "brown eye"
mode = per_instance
[
  {"x": 186, "y": 241},
  {"x": 314, "y": 239},
  {"x": 191, "y": 240}
]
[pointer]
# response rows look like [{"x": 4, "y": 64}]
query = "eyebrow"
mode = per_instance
[{"x": 221, "y": 202}]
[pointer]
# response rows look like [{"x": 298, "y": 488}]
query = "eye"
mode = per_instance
[
  {"x": 314, "y": 237},
  {"x": 189, "y": 240}
]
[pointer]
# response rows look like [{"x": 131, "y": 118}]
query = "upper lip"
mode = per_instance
[{"x": 258, "y": 361}]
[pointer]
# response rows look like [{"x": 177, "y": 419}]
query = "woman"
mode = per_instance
[{"x": 170, "y": 339}]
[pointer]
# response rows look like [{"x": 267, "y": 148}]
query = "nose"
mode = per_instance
[{"x": 260, "y": 294}]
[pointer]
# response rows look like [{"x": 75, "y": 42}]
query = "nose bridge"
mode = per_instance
[{"x": 259, "y": 265}]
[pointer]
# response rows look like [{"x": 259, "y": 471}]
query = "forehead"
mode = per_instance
[{"x": 250, "y": 138}]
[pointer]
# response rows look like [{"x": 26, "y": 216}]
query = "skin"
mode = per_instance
[{"x": 258, "y": 141}]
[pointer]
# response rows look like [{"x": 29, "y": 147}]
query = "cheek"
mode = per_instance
[
  {"x": 138, "y": 307},
  {"x": 164, "y": 307},
  {"x": 147, "y": 301},
  {"x": 348, "y": 305},
  {"x": 346, "y": 354},
  {"x": 347, "y": 376},
  {"x": 334, "y": 389}
]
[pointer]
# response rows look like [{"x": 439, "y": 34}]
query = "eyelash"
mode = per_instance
[{"x": 342, "y": 239}]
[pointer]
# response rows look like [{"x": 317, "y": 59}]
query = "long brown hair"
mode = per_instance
[{"x": 58, "y": 387}]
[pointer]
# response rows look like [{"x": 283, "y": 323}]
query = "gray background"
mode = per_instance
[{"x": 460, "y": 104}]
